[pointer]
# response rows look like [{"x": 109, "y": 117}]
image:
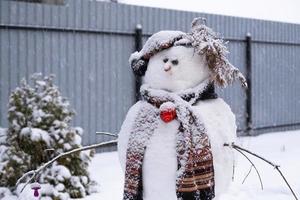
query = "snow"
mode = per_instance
[
  {"x": 220, "y": 125},
  {"x": 188, "y": 76},
  {"x": 160, "y": 38},
  {"x": 61, "y": 172},
  {"x": 160, "y": 157},
  {"x": 161, "y": 162},
  {"x": 157, "y": 42},
  {"x": 106, "y": 170},
  {"x": 167, "y": 106},
  {"x": 163, "y": 73},
  {"x": 38, "y": 114},
  {"x": 36, "y": 134},
  {"x": 281, "y": 148},
  {"x": 190, "y": 70},
  {"x": 43, "y": 104}
]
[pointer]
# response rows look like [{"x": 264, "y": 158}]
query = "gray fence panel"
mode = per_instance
[
  {"x": 87, "y": 45},
  {"x": 235, "y": 95},
  {"x": 112, "y": 17},
  {"x": 89, "y": 70},
  {"x": 276, "y": 83},
  {"x": 4, "y": 73}
]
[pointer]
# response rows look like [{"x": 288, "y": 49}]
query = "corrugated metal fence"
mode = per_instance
[{"x": 87, "y": 45}]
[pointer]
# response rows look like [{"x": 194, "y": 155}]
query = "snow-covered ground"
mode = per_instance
[{"x": 282, "y": 148}]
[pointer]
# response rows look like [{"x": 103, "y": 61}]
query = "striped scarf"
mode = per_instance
[{"x": 195, "y": 179}]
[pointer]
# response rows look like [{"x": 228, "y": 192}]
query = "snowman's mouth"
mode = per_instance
[
  {"x": 169, "y": 72},
  {"x": 176, "y": 86}
]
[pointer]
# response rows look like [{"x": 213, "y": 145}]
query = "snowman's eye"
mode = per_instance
[
  {"x": 165, "y": 60},
  {"x": 175, "y": 62}
]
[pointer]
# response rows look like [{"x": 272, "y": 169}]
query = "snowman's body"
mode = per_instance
[
  {"x": 177, "y": 69},
  {"x": 160, "y": 161}
]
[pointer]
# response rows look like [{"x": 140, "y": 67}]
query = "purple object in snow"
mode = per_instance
[
  {"x": 36, "y": 192},
  {"x": 35, "y": 187}
]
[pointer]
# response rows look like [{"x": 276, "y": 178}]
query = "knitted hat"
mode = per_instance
[{"x": 205, "y": 42}]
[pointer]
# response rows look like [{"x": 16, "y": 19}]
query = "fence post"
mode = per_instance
[
  {"x": 249, "y": 82},
  {"x": 138, "y": 46}
]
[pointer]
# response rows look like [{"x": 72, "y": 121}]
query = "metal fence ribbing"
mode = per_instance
[{"x": 87, "y": 45}]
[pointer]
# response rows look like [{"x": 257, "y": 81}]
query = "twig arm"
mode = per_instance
[
  {"x": 247, "y": 174},
  {"x": 287, "y": 183},
  {"x": 254, "y": 154},
  {"x": 240, "y": 149},
  {"x": 34, "y": 173},
  {"x": 106, "y": 133},
  {"x": 252, "y": 164}
]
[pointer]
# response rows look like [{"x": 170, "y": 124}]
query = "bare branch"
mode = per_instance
[
  {"x": 233, "y": 170},
  {"x": 240, "y": 149},
  {"x": 34, "y": 173},
  {"x": 279, "y": 171},
  {"x": 107, "y": 133},
  {"x": 247, "y": 174},
  {"x": 254, "y": 154},
  {"x": 258, "y": 174},
  {"x": 49, "y": 149}
]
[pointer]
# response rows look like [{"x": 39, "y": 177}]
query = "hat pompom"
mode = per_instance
[
  {"x": 208, "y": 43},
  {"x": 138, "y": 65}
]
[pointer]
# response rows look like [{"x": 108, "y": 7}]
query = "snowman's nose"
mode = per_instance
[{"x": 167, "y": 67}]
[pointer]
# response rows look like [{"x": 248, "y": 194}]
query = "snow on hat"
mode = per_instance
[
  {"x": 156, "y": 43},
  {"x": 205, "y": 42}
]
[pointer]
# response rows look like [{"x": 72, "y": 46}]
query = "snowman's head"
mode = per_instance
[
  {"x": 176, "y": 68},
  {"x": 174, "y": 60}
]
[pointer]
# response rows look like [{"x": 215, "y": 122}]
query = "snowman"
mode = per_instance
[{"x": 171, "y": 142}]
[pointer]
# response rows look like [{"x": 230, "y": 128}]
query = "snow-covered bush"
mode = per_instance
[
  {"x": 3, "y": 148},
  {"x": 39, "y": 129}
]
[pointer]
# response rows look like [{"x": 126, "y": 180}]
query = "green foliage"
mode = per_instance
[{"x": 39, "y": 121}]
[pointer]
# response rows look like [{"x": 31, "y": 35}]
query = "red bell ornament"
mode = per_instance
[{"x": 167, "y": 112}]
